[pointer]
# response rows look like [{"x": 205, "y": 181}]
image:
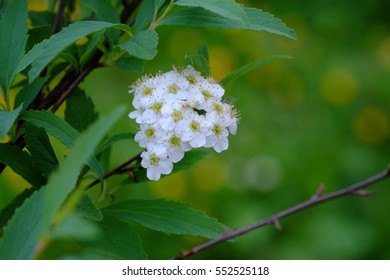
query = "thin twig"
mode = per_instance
[
  {"x": 59, "y": 17},
  {"x": 116, "y": 171},
  {"x": 274, "y": 220}
]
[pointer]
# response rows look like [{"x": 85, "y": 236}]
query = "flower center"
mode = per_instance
[
  {"x": 175, "y": 141},
  {"x": 177, "y": 116},
  {"x": 147, "y": 91},
  {"x": 156, "y": 107},
  {"x": 154, "y": 160},
  {"x": 150, "y": 132},
  {"x": 218, "y": 108},
  {"x": 217, "y": 129},
  {"x": 173, "y": 88},
  {"x": 195, "y": 126},
  {"x": 191, "y": 79},
  {"x": 207, "y": 95}
]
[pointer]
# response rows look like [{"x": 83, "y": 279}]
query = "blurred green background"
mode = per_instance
[{"x": 322, "y": 117}]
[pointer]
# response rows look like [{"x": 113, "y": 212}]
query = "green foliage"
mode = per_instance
[
  {"x": 34, "y": 217},
  {"x": 41, "y": 54},
  {"x": 258, "y": 20},
  {"x": 142, "y": 45},
  {"x": 13, "y": 20},
  {"x": 80, "y": 110},
  {"x": 7, "y": 119},
  {"x": 166, "y": 216},
  {"x": 21, "y": 163},
  {"x": 40, "y": 148},
  {"x": 48, "y": 68},
  {"x": 251, "y": 66},
  {"x": 225, "y": 8}
]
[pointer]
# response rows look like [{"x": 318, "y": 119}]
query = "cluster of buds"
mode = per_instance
[{"x": 176, "y": 112}]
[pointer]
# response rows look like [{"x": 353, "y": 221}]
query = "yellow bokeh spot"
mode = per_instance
[
  {"x": 222, "y": 62},
  {"x": 371, "y": 125},
  {"x": 209, "y": 174},
  {"x": 37, "y": 5},
  {"x": 82, "y": 41},
  {"x": 383, "y": 52},
  {"x": 339, "y": 87},
  {"x": 172, "y": 186}
]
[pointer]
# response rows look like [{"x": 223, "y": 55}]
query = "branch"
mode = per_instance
[
  {"x": 116, "y": 171},
  {"x": 59, "y": 17},
  {"x": 318, "y": 198}
]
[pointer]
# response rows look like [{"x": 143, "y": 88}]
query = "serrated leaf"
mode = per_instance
[
  {"x": 113, "y": 139},
  {"x": 21, "y": 163},
  {"x": 29, "y": 92},
  {"x": 119, "y": 241},
  {"x": 40, "y": 148},
  {"x": 142, "y": 45},
  {"x": 252, "y": 66},
  {"x": 35, "y": 216},
  {"x": 258, "y": 20},
  {"x": 8, "y": 211},
  {"x": 7, "y": 119},
  {"x": 80, "y": 110},
  {"x": 88, "y": 209},
  {"x": 169, "y": 217},
  {"x": 131, "y": 64},
  {"x": 41, "y": 54},
  {"x": 146, "y": 13},
  {"x": 104, "y": 11},
  {"x": 225, "y": 8},
  {"x": 13, "y": 38},
  {"x": 60, "y": 129},
  {"x": 77, "y": 227}
]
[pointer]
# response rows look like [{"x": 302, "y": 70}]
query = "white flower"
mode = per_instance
[
  {"x": 156, "y": 162},
  {"x": 178, "y": 111}
]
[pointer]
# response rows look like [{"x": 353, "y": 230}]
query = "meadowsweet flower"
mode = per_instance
[{"x": 178, "y": 111}]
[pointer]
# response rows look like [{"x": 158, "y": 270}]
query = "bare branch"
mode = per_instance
[
  {"x": 274, "y": 220},
  {"x": 59, "y": 17}
]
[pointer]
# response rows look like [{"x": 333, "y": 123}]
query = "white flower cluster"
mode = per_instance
[{"x": 177, "y": 111}]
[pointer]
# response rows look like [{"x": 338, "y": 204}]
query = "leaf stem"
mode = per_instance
[
  {"x": 156, "y": 20},
  {"x": 316, "y": 199}
]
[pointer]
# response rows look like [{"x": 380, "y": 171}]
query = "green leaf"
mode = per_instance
[
  {"x": 8, "y": 211},
  {"x": 29, "y": 92},
  {"x": 40, "y": 148},
  {"x": 104, "y": 11},
  {"x": 77, "y": 227},
  {"x": 146, "y": 13},
  {"x": 13, "y": 38},
  {"x": 41, "y": 54},
  {"x": 225, "y": 8},
  {"x": 21, "y": 163},
  {"x": 113, "y": 139},
  {"x": 258, "y": 20},
  {"x": 252, "y": 66},
  {"x": 142, "y": 45},
  {"x": 166, "y": 216},
  {"x": 200, "y": 61},
  {"x": 89, "y": 49},
  {"x": 60, "y": 129},
  {"x": 35, "y": 216},
  {"x": 131, "y": 64},
  {"x": 39, "y": 18},
  {"x": 88, "y": 209},
  {"x": 119, "y": 241},
  {"x": 7, "y": 119},
  {"x": 80, "y": 110}
]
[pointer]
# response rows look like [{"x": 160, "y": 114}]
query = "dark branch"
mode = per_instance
[
  {"x": 59, "y": 17},
  {"x": 318, "y": 198},
  {"x": 123, "y": 168}
]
